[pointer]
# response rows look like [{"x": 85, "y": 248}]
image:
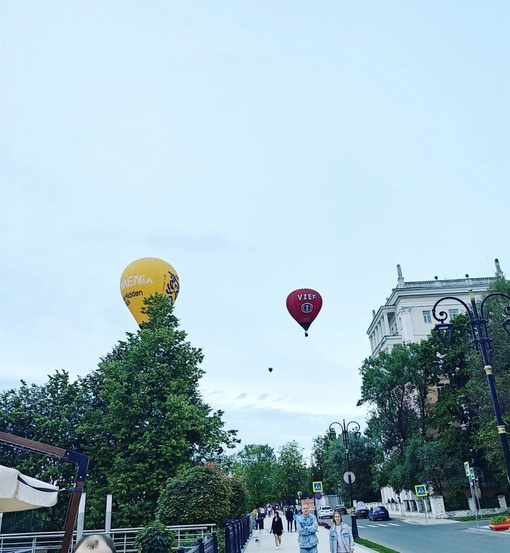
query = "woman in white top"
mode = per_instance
[{"x": 340, "y": 536}]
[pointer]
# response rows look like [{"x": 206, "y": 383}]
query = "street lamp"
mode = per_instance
[
  {"x": 351, "y": 426},
  {"x": 483, "y": 345}
]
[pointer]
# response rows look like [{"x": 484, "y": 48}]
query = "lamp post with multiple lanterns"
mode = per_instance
[
  {"x": 483, "y": 345},
  {"x": 346, "y": 428}
]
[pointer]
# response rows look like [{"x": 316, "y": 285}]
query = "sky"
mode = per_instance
[{"x": 258, "y": 147}]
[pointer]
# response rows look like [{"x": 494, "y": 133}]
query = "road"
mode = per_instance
[{"x": 408, "y": 536}]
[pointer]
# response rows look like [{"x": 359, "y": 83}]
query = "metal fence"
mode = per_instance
[
  {"x": 189, "y": 539},
  {"x": 237, "y": 533},
  {"x": 203, "y": 546}
]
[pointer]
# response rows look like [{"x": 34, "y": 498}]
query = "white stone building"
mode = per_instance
[
  {"x": 407, "y": 317},
  {"x": 407, "y": 314}
]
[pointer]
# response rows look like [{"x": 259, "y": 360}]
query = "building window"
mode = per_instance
[
  {"x": 426, "y": 317},
  {"x": 453, "y": 313}
]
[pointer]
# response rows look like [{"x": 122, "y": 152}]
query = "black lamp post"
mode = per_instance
[
  {"x": 483, "y": 345},
  {"x": 351, "y": 426}
]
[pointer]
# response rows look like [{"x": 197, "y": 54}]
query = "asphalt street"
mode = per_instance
[
  {"x": 403, "y": 535},
  {"x": 434, "y": 536}
]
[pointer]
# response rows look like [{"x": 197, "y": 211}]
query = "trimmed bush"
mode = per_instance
[{"x": 154, "y": 538}]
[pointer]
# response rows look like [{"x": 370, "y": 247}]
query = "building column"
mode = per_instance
[
  {"x": 407, "y": 325},
  {"x": 386, "y": 325}
]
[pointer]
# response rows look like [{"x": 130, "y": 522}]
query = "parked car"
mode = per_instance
[
  {"x": 379, "y": 513},
  {"x": 341, "y": 509},
  {"x": 325, "y": 511},
  {"x": 361, "y": 511}
]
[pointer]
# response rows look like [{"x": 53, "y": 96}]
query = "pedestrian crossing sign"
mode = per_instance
[
  {"x": 317, "y": 487},
  {"x": 420, "y": 490}
]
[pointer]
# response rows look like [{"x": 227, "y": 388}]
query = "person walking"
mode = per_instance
[
  {"x": 307, "y": 527},
  {"x": 277, "y": 529},
  {"x": 340, "y": 536},
  {"x": 261, "y": 515},
  {"x": 289, "y": 515}
]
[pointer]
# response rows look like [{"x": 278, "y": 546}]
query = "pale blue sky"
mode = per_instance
[{"x": 258, "y": 147}]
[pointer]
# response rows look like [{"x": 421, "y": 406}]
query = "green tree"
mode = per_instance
[
  {"x": 196, "y": 495},
  {"x": 393, "y": 384},
  {"x": 48, "y": 413},
  {"x": 363, "y": 456},
  {"x": 291, "y": 473},
  {"x": 147, "y": 418},
  {"x": 239, "y": 505},
  {"x": 256, "y": 464}
]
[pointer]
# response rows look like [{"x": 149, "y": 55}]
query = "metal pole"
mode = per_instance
[
  {"x": 354, "y": 524},
  {"x": 482, "y": 336}
]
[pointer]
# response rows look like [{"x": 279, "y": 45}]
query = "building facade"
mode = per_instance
[{"x": 407, "y": 314}]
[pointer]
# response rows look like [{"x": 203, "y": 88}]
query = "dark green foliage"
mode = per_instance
[
  {"x": 148, "y": 418},
  {"x": 48, "y": 413},
  {"x": 426, "y": 436},
  {"x": 139, "y": 417},
  {"x": 364, "y": 455},
  {"x": 154, "y": 538},
  {"x": 201, "y": 494},
  {"x": 291, "y": 473},
  {"x": 256, "y": 465},
  {"x": 239, "y": 504}
]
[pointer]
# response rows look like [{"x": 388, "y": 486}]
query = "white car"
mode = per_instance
[{"x": 325, "y": 512}]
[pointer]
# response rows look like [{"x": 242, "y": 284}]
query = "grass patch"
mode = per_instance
[{"x": 374, "y": 546}]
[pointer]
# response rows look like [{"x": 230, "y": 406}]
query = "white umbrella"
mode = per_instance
[{"x": 22, "y": 493}]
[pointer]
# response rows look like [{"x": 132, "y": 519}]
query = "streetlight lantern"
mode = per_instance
[
  {"x": 346, "y": 428},
  {"x": 483, "y": 345}
]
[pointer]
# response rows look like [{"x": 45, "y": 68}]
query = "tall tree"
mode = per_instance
[
  {"x": 256, "y": 464},
  {"x": 148, "y": 418},
  {"x": 363, "y": 456},
  {"x": 395, "y": 385},
  {"x": 292, "y": 475},
  {"x": 48, "y": 413}
]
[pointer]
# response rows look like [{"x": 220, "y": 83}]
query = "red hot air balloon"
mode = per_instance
[{"x": 304, "y": 305}]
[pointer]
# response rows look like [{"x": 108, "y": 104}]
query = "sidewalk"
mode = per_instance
[{"x": 262, "y": 541}]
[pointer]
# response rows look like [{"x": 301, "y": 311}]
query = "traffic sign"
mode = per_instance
[
  {"x": 346, "y": 477},
  {"x": 317, "y": 486},
  {"x": 318, "y": 496},
  {"x": 467, "y": 470},
  {"x": 420, "y": 490}
]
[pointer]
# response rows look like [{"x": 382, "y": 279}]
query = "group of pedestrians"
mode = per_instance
[{"x": 340, "y": 534}]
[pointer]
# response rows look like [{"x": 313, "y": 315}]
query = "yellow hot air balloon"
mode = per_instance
[{"x": 146, "y": 277}]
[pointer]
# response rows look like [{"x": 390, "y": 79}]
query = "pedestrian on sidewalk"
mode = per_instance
[
  {"x": 340, "y": 536},
  {"x": 261, "y": 515},
  {"x": 289, "y": 515},
  {"x": 307, "y": 527},
  {"x": 277, "y": 529}
]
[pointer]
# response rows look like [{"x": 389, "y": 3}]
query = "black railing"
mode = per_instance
[
  {"x": 209, "y": 545},
  {"x": 237, "y": 533}
]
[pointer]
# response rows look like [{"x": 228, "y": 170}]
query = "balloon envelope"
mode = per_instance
[
  {"x": 146, "y": 277},
  {"x": 304, "y": 305},
  {"x": 270, "y": 369}
]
